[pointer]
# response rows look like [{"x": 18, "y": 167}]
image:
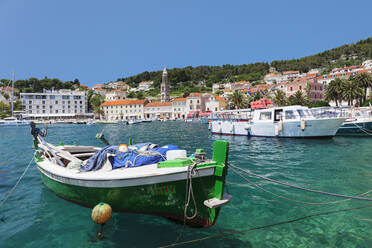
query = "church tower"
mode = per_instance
[{"x": 164, "y": 87}]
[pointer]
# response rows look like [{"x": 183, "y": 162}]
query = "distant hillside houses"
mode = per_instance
[
  {"x": 292, "y": 81},
  {"x": 177, "y": 108}
]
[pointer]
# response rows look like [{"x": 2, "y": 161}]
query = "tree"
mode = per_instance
[
  {"x": 236, "y": 99},
  {"x": 279, "y": 98},
  {"x": 297, "y": 99},
  {"x": 351, "y": 91},
  {"x": 140, "y": 95},
  {"x": 333, "y": 91},
  {"x": 363, "y": 80}
]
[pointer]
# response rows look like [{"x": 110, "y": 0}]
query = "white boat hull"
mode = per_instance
[{"x": 290, "y": 129}]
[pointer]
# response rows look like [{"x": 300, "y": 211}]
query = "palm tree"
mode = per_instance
[
  {"x": 279, "y": 98},
  {"x": 236, "y": 99},
  {"x": 351, "y": 91},
  {"x": 364, "y": 80},
  {"x": 333, "y": 91},
  {"x": 297, "y": 99}
]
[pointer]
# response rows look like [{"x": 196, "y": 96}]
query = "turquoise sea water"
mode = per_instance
[{"x": 34, "y": 217}]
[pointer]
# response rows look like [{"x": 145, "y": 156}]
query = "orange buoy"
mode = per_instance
[{"x": 101, "y": 213}]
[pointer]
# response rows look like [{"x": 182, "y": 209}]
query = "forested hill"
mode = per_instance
[{"x": 344, "y": 55}]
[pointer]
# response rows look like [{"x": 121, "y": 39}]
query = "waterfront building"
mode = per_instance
[
  {"x": 158, "y": 110},
  {"x": 179, "y": 108},
  {"x": 301, "y": 84},
  {"x": 164, "y": 87},
  {"x": 195, "y": 102},
  {"x": 214, "y": 103},
  {"x": 51, "y": 104},
  {"x": 145, "y": 86},
  {"x": 116, "y": 95},
  {"x": 123, "y": 109}
]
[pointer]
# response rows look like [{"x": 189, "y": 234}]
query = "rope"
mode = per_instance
[
  {"x": 363, "y": 129},
  {"x": 288, "y": 199},
  {"x": 14, "y": 187},
  {"x": 301, "y": 188},
  {"x": 263, "y": 227},
  {"x": 189, "y": 194}
]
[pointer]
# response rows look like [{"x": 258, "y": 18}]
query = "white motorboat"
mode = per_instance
[
  {"x": 288, "y": 122},
  {"x": 358, "y": 122},
  {"x": 12, "y": 121}
]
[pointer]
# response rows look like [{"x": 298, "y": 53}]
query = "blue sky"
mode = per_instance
[{"x": 100, "y": 41}]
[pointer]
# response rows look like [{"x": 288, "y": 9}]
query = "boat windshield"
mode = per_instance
[
  {"x": 304, "y": 113},
  {"x": 236, "y": 115}
]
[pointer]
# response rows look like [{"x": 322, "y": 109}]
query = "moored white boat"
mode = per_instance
[
  {"x": 358, "y": 122},
  {"x": 12, "y": 121},
  {"x": 286, "y": 122}
]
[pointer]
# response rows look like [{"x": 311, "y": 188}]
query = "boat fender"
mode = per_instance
[
  {"x": 210, "y": 125},
  {"x": 276, "y": 131},
  {"x": 219, "y": 129},
  {"x": 232, "y": 127},
  {"x": 280, "y": 126},
  {"x": 303, "y": 125},
  {"x": 247, "y": 126}
]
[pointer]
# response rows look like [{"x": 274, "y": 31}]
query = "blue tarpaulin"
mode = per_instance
[{"x": 138, "y": 155}]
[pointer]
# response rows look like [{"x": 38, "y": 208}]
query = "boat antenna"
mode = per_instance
[{"x": 11, "y": 98}]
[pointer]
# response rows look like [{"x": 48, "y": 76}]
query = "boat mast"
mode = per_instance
[{"x": 11, "y": 99}]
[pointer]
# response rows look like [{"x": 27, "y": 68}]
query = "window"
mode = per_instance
[
  {"x": 29, "y": 102},
  {"x": 290, "y": 115},
  {"x": 56, "y": 102},
  {"x": 56, "y": 111},
  {"x": 65, "y": 97},
  {"x": 52, "y": 97},
  {"x": 300, "y": 87},
  {"x": 265, "y": 116}
]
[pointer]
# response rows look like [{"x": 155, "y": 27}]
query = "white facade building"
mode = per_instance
[
  {"x": 116, "y": 95},
  {"x": 123, "y": 109},
  {"x": 158, "y": 110},
  {"x": 180, "y": 109},
  {"x": 145, "y": 86},
  {"x": 62, "y": 104}
]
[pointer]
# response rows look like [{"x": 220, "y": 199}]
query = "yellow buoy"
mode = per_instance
[{"x": 101, "y": 213}]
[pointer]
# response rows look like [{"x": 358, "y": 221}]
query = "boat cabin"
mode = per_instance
[{"x": 290, "y": 113}]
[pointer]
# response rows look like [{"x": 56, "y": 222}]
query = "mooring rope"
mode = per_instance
[
  {"x": 292, "y": 200},
  {"x": 363, "y": 129},
  {"x": 189, "y": 195},
  {"x": 298, "y": 187},
  {"x": 14, "y": 187},
  {"x": 262, "y": 227}
]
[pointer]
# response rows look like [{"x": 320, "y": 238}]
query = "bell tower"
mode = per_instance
[{"x": 164, "y": 87}]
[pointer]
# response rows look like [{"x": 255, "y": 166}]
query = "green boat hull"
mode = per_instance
[
  {"x": 163, "y": 199},
  {"x": 355, "y": 129}
]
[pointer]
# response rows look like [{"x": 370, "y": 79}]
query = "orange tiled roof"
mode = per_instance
[
  {"x": 123, "y": 102},
  {"x": 290, "y": 72},
  {"x": 218, "y": 98},
  {"x": 158, "y": 104},
  {"x": 179, "y": 100},
  {"x": 194, "y": 94},
  {"x": 228, "y": 90}
]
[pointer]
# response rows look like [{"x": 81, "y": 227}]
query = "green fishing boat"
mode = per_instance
[{"x": 187, "y": 190}]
